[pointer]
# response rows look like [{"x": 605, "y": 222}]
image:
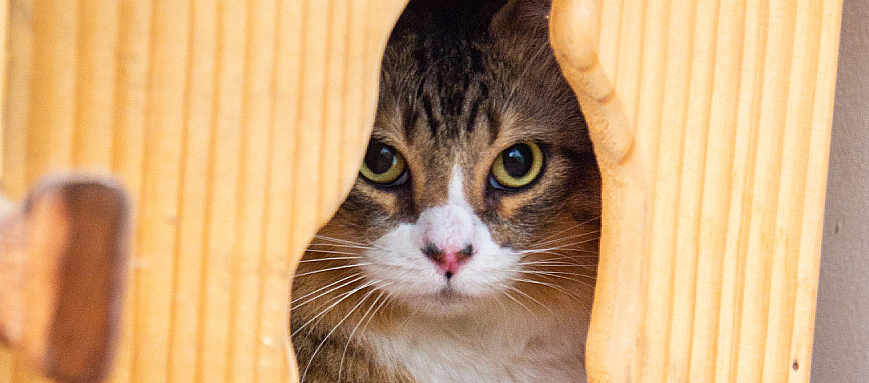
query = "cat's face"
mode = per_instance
[{"x": 479, "y": 184}]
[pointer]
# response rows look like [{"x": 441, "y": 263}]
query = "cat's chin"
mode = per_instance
[{"x": 445, "y": 303}]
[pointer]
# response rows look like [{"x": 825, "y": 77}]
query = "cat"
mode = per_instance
[{"x": 466, "y": 250}]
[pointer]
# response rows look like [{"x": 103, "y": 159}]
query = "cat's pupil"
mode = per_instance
[
  {"x": 379, "y": 158},
  {"x": 517, "y": 160}
]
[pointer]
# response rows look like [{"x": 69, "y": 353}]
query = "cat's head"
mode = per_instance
[{"x": 479, "y": 184}]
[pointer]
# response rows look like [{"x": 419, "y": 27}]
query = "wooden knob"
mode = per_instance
[{"x": 63, "y": 252}]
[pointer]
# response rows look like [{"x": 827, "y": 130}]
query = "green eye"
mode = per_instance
[
  {"x": 383, "y": 165},
  {"x": 517, "y": 166}
]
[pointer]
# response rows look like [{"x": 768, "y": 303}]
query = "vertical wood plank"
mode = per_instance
[
  {"x": 253, "y": 185},
  {"x": 211, "y": 110},
  {"x": 714, "y": 213},
  {"x": 226, "y": 155},
  {"x": 736, "y": 154},
  {"x": 803, "y": 310},
  {"x": 4, "y": 60},
  {"x": 199, "y": 99},
  {"x": 694, "y": 156},
  {"x": 52, "y": 101},
  {"x": 159, "y": 194},
  {"x": 274, "y": 350},
  {"x": 97, "y": 53},
  {"x": 134, "y": 34},
  {"x": 16, "y": 98}
]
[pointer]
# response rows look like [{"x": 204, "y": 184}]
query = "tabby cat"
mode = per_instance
[{"x": 466, "y": 250}]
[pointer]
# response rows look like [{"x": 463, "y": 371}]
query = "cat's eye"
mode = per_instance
[
  {"x": 517, "y": 166},
  {"x": 384, "y": 165}
]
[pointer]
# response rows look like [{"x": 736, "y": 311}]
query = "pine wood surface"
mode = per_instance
[
  {"x": 711, "y": 121},
  {"x": 237, "y": 125}
]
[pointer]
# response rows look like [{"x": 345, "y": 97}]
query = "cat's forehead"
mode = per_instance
[{"x": 455, "y": 90}]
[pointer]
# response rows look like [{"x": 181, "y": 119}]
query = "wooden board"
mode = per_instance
[
  {"x": 711, "y": 121},
  {"x": 236, "y": 127}
]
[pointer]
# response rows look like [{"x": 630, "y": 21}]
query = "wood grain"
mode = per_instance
[
  {"x": 711, "y": 121},
  {"x": 236, "y": 126}
]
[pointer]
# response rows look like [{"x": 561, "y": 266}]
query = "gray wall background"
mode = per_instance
[{"x": 841, "y": 350}]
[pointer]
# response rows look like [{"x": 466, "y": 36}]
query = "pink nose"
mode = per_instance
[{"x": 449, "y": 261}]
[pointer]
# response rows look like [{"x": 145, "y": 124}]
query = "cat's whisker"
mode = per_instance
[
  {"x": 327, "y": 259},
  {"x": 589, "y": 284},
  {"x": 517, "y": 301},
  {"x": 553, "y": 268},
  {"x": 331, "y": 252},
  {"x": 566, "y": 230},
  {"x": 547, "y": 263},
  {"x": 341, "y": 246},
  {"x": 353, "y": 332},
  {"x": 331, "y": 241},
  {"x": 376, "y": 311},
  {"x": 552, "y": 273},
  {"x": 326, "y": 286},
  {"x": 561, "y": 256},
  {"x": 319, "y": 346},
  {"x": 543, "y": 240},
  {"x": 338, "y": 240},
  {"x": 566, "y": 246},
  {"x": 331, "y": 269},
  {"x": 563, "y": 245},
  {"x": 591, "y": 267},
  {"x": 348, "y": 242},
  {"x": 357, "y": 275},
  {"x": 573, "y": 236},
  {"x": 335, "y": 301},
  {"x": 556, "y": 287},
  {"x": 527, "y": 296},
  {"x": 545, "y": 267}
]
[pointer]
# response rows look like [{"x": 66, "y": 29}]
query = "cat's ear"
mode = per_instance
[{"x": 521, "y": 18}]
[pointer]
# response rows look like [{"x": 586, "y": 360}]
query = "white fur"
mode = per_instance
[
  {"x": 403, "y": 271},
  {"x": 466, "y": 329},
  {"x": 493, "y": 345}
]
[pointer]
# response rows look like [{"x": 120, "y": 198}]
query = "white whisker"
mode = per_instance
[
  {"x": 546, "y": 263},
  {"x": 309, "y": 250},
  {"x": 322, "y": 342},
  {"x": 574, "y": 236},
  {"x": 559, "y": 288},
  {"x": 346, "y": 242},
  {"x": 339, "y": 298},
  {"x": 552, "y": 273},
  {"x": 340, "y": 245},
  {"x": 327, "y": 259},
  {"x": 517, "y": 301},
  {"x": 331, "y": 269},
  {"x": 526, "y": 296},
  {"x": 314, "y": 354},
  {"x": 565, "y": 230},
  {"x": 350, "y": 337},
  {"x": 358, "y": 277}
]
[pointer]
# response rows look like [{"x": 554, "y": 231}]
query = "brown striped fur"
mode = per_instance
[{"x": 460, "y": 82}]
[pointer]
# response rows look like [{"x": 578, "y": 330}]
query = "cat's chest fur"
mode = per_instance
[{"x": 493, "y": 347}]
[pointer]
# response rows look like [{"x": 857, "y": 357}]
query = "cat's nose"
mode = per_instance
[{"x": 448, "y": 261}]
